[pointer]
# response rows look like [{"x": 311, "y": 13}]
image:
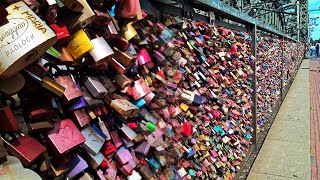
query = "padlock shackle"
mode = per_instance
[{"x": 3, "y": 102}]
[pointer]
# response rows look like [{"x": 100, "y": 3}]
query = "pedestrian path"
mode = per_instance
[
  {"x": 314, "y": 117},
  {"x": 285, "y": 154}
]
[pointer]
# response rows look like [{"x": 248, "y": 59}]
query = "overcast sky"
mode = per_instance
[{"x": 314, "y": 5}]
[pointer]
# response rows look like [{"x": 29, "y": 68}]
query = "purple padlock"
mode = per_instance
[
  {"x": 76, "y": 166},
  {"x": 80, "y": 103}
]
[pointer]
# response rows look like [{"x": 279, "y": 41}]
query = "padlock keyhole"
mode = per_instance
[
  {"x": 73, "y": 5},
  {"x": 31, "y": 55},
  {"x": 83, "y": 24}
]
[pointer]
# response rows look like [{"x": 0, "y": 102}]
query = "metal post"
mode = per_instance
[
  {"x": 298, "y": 20},
  {"x": 253, "y": 32},
  {"x": 282, "y": 63}
]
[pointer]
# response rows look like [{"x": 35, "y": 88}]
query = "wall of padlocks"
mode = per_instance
[
  {"x": 272, "y": 70},
  {"x": 96, "y": 92}
]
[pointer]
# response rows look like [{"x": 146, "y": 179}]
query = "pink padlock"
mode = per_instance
[{"x": 143, "y": 57}]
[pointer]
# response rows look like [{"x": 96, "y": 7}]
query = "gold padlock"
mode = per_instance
[
  {"x": 128, "y": 32},
  {"x": 79, "y": 45}
]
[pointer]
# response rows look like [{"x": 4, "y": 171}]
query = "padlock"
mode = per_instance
[
  {"x": 122, "y": 106},
  {"x": 108, "y": 30},
  {"x": 127, "y": 169},
  {"x": 61, "y": 31},
  {"x": 47, "y": 83},
  {"x": 25, "y": 148},
  {"x": 80, "y": 44},
  {"x": 82, "y": 117},
  {"x": 34, "y": 36},
  {"x": 140, "y": 89},
  {"x": 50, "y": 8},
  {"x": 143, "y": 148},
  {"x": 7, "y": 119},
  {"x": 66, "y": 57},
  {"x": 95, "y": 160},
  {"x": 120, "y": 43},
  {"x": 128, "y": 32},
  {"x": 76, "y": 165},
  {"x": 12, "y": 85},
  {"x": 86, "y": 176},
  {"x": 128, "y": 9},
  {"x": 65, "y": 136},
  {"x": 123, "y": 155},
  {"x": 104, "y": 129},
  {"x": 134, "y": 176},
  {"x": 75, "y": 20},
  {"x": 123, "y": 57},
  {"x": 154, "y": 165},
  {"x": 90, "y": 101},
  {"x": 107, "y": 83},
  {"x": 101, "y": 51},
  {"x": 73, "y": 5},
  {"x": 128, "y": 132},
  {"x": 146, "y": 172},
  {"x": 94, "y": 141},
  {"x": 122, "y": 81},
  {"x": 116, "y": 138},
  {"x": 94, "y": 86},
  {"x": 101, "y": 18},
  {"x": 72, "y": 92},
  {"x": 143, "y": 57},
  {"x": 118, "y": 66},
  {"x": 59, "y": 167},
  {"x": 80, "y": 103},
  {"x": 108, "y": 148},
  {"x": 40, "y": 127}
]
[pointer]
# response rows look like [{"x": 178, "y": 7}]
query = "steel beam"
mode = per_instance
[{"x": 229, "y": 12}]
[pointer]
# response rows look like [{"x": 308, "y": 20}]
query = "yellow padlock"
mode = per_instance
[{"x": 79, "y": 45}]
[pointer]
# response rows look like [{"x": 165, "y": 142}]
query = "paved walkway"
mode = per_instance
[
  {"x": 285, "y": 154},
  {"x": 314, "y": 117}
]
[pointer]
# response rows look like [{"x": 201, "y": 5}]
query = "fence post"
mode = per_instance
[
  {"x": 282, "y": 64},
  {"x": 253, "y": 33}
]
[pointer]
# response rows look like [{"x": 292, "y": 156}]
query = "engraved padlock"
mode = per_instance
[
  {"x": 122, "y": 106},
  {"x": 80, "y": 44},
  {"x": 94, "y": 141},
  {"x": 32, "y": 40},
  {"x": 65, "y": 136}
]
